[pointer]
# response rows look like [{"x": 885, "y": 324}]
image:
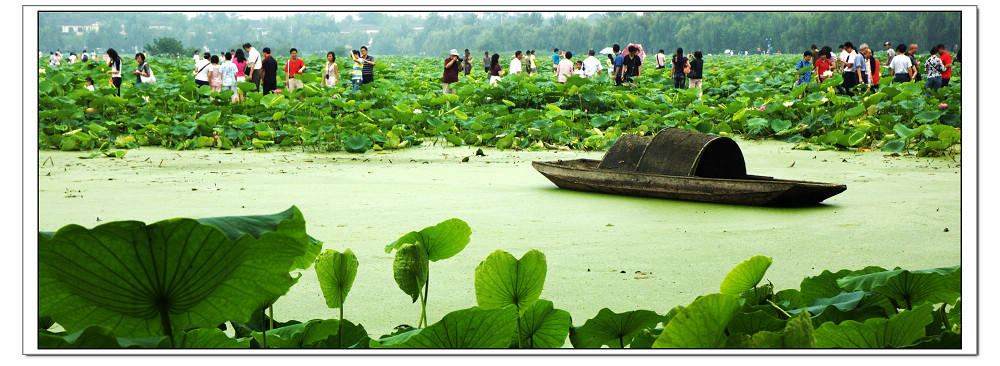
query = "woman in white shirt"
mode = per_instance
[
  {"x": 565, "y": 68},
  {"x": 201, "y": 70},
  {"x": 115, "y": 63},
  {"x": 330, "y": 72}
]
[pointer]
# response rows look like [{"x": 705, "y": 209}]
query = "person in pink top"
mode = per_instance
[
  {"x": 240, "y": 60},
  {"x": 215, "y": 75},
  {"x": 565, "y": 68}
]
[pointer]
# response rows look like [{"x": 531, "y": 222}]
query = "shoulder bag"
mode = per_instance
[{"x": 148, "y": 79}]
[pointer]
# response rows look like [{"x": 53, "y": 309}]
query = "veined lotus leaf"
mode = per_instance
[
  {"x": 442, "y": 241},
  {"x": 543, "y": 326},
  {"x": 409, "y": 269},
  {"x": 336, "y": 272},
  {"x": 901, "y": 330},
  {"x": 501, "y": 280},
  {"x": 316, "y": 333},
  {"x": 289, "y": 222},
  {"x": 467, "y": 328},
  {"x": 615, "y": 330},
  {"x": 146, "y": 280},
  {"x": 701, "y": 324},
  {"x": 745, "y": 275}
]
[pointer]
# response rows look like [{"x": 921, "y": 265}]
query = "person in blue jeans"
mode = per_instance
[{"x": 804, "y": 63}]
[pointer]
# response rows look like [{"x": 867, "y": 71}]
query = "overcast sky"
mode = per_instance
[{"x": 341, "y": 15}]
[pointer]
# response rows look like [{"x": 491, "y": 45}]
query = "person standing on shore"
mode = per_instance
[
  {"x": 228, "y": 71},
  {"x": 452, "y": 66},
  {"x": 900, "y": 66},
  {"x": 467, "y": 62},
  {"x": 565, "y": 68},
  {"x": 496, "y": 71},
  {"x": 293, "y": 67},
  {"x": 515, "y": 64},
  {"x": 357, "y": 71},
  {"x": 330, "y": 72},
  {"x": 254, "y": 65},
  {"x": 591, "y": 66},
  {"x": 367, "y": 67},
  {"x": 694, "y": 77},
  {"x": 115, "y": 63},
  {"x": 555, "y": 60},
  {"x": 912, "y": 54},
  {"x": 946, "y": 60},
  {"x": 678, "y": 63},
  {"x": 268, "y": 72}
]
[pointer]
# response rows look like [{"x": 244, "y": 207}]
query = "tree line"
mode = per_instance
[{"x": 434, "y": 34}]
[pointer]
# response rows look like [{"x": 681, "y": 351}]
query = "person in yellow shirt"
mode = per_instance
[{"x": 532, "y": 66}]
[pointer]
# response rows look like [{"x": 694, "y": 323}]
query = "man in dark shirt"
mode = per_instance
[
  {"x": 632, "y": 63},
  {"x": 367, "y": 63},
  {"x": 467, "y": 62},
  {"x": 269, "y": 72}
]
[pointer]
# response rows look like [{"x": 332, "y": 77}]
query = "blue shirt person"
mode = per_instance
[{"x": 804, "y": 63}]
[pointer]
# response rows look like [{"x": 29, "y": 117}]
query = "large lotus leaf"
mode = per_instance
[
  {"x": 799, "y": 332},
  {"x": 289, "y": 222},
  {"x": 316, "y": 333},
  {"x": 336, "y": 272},
  {"x": 762, "y": 339},
  {"x": 409, "y": 269},
  {"x": 442, "y": 241},
  {"x": 543, "y": 326},
  {"x": 955, "y": 314},
  {"x": 825, "y": 284},
  {"x": 397, "y": 338},
  {"x": 701, "y": 324},
  {"x": 134, "y": 276},
  {"x": 501, "y": 280},
  {"x": 206, "y": 338},
  {"x": 845, "y": 301},
  {"x": 466, "y": 328},
  {"x": 95, "y": 336},
  {"x": 859, "y": 314},
  {"x": 615, "y": 330},
  {"x": 911, "y": 289},
  {"x": 901, "y": 330},
  {"x": 869, "y": 281},
  {"x": 745, "y": 275},
  {"x": 753, "y": 322}
]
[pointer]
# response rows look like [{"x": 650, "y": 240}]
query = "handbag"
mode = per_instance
[
  {"x": 687, "y": 68},
  {"x": 148, "y": 79}
]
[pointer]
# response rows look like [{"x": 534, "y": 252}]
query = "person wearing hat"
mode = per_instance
[
  {"x": 890, "y": 52},
  {"x": 452, "y": 66}
]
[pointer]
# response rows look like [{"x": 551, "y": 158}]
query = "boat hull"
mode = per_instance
[{"x": 583, "y": 175}]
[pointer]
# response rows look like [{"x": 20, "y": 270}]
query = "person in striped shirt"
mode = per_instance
[{"x": 356, "y": 71}]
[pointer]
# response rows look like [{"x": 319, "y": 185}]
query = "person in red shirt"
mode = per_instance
[
  {"x": 452, "y": 66},
  {"x": 822, "y": 64},
  {"x": 946, "y": 61},
  {"x": 875, "y": 67},
  {"x": 293, "y": 67}
]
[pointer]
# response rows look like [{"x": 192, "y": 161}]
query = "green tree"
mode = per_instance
[{"x": 165, "y": 46}]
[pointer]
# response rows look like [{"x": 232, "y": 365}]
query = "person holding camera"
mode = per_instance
[
  {"x": 330, "y": 71},
  {"x": 452, "y": 66}
]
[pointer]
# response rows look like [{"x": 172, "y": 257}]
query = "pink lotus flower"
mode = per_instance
[
  {"x": 256, "y": 133},
  {"x": 277, "y": 91},
  {"x": 761, "y": 108},
  {"x": 942, "y": 105},
  {"x": 715, "y": 68},
  {"x": 216, "y": 137}
]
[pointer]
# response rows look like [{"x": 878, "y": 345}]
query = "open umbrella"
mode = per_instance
[{"x": 607, "y": 51}]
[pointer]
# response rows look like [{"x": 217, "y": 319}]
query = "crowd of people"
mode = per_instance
[{"x": 859, "y": 66}]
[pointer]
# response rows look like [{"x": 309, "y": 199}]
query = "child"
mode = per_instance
[
  {"x": 356, "y": 71},
  {"x": 90, "y": 84},
  {"x": 215, "y": 75},
  {"x": 804, "y": 63},
  {"x": 578, "y": 69}
]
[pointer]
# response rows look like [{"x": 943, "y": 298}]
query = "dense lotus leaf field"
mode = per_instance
[{"x": 752, "y": 96}]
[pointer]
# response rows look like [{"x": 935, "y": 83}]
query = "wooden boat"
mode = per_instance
[{"x": 682, "y": 165}]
